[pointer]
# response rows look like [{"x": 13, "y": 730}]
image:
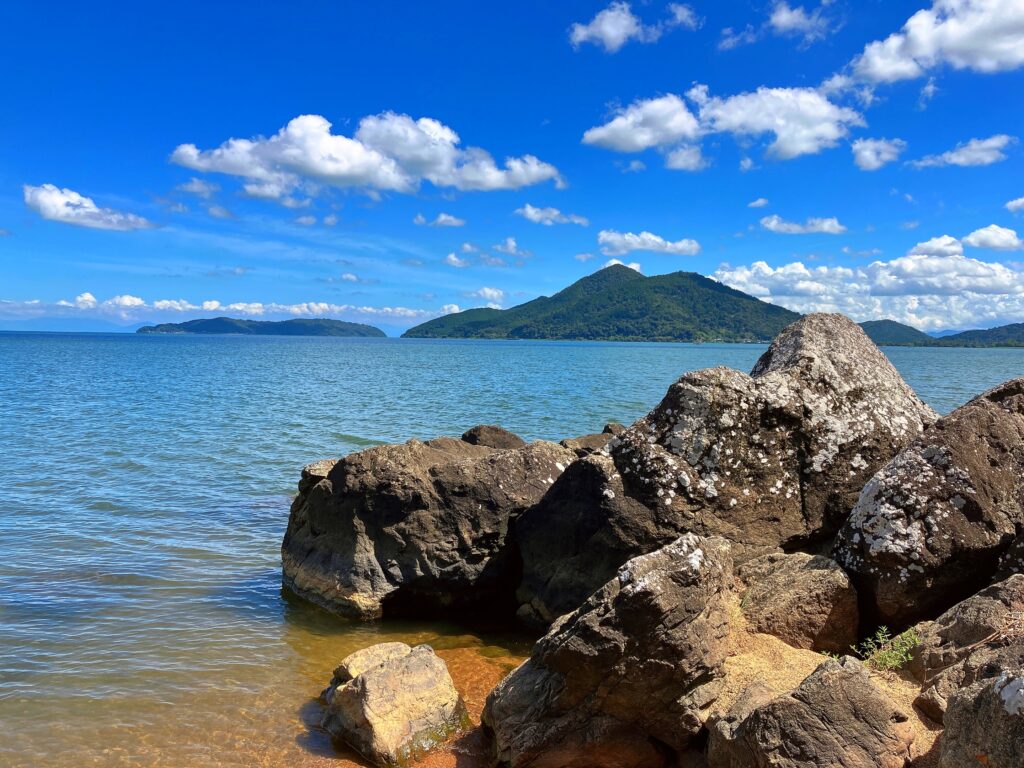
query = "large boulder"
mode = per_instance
[
  {"x": 391, "y": 703},
  {"x": 928, "y": 530},
  {"x": 836, "y": 718},
  {"x": 805, "y": 600},
  {"x": 422, "y": 526},
  {"x": 985, "y": 724},
  {"x": 773, "y": 459},
  {"x": 626, "y": 680},
  {"x": 969, "y": 642}
]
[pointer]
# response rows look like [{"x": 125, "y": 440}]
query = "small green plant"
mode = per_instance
[{"x": 886, "y": 653}]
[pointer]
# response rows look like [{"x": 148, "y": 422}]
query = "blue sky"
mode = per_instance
[{"x": 388, "y": 162}]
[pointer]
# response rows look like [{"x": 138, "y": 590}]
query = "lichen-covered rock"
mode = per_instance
[
  {"x": 414, "y": 527},
  {"x": 625, "y": 680},
  {"x": 836, "y": 718},
  {"x": 805, "y": 600},
  {"x": 985, "y": 724},
  {"x": 773, "y": 459},
  {"x": 492, "y": 436},
  {"x": 971, "y": 641},
  {"x": 391, "y": 703},
  {"x": 929, "y": 528}
]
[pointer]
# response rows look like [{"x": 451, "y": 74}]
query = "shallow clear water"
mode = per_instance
[{"x": 144, "y": 490}]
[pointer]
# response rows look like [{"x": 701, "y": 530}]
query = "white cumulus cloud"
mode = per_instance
[
  {"x": 619, "y": 243},
  {"x": 978, "y": 35},
  {"x": 973, "y": 152},
  {"x": 1015, "y": 206},
  {"x": 872, "y": 154},
  {"x": 493, "y": 296},
  {"x": 388, "y": 151},
  {"x": 644, "y": 124},
  {"x": 616, "y": 25},
  {"x": 944, "y": 245},
  {"x": 550, "y": 216},
  {"x": 454, "y": 261},
  {"x": 787, "y": 20},
  {"x": 761, "y": 202},
  {"x": 930, "y": 292},
  {"x": 802, "y": 120},
  {"x": 995, "y": 237},
  {"x": 779, "y": 225},
  {"x": 69, "y": 207}
]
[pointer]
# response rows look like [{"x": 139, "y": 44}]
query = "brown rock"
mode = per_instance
[
  {"x": 928, "y": 530},
  {"x": 391, "y": 703},
  {"x": 774, "y": 459},
  {"x": 587, "y": 444},
  {"x": 492, "y": 436},
  {"x": 836, "y": 718},
  {"x": 415, "y": 527},
  {"x": 968, "y": 642},
  {"x": 804, "y": 600},
  {"x": 627, "y": 678},
  {"x": 985, "y": 723}
]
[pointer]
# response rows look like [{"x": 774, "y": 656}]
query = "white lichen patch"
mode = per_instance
[{"x": 1011, "y": 691}]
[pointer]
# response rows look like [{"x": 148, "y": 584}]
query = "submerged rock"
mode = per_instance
[
  {"x": 773, "y": 459},
  {"x": 626, "y": 679},
  {"x": 391, "y": 703},
  {"x": 836, "y": 717},
  {"x": 971, "y": 641},
  {"x": 930, "y": 527},
  {"x": 419, "y": 526},
  {"x": 804, "y": 600}
]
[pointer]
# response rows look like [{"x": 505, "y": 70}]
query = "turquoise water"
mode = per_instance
[{"x": 144, "y": 490}]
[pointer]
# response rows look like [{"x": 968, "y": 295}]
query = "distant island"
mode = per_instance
[
  {"x": 891, "y": 333},
  {"x": 298, "y": 327},
  {"x": 619, "y": 304}
]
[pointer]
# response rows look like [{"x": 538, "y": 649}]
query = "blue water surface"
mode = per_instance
[{"x": 144, "y": 490}]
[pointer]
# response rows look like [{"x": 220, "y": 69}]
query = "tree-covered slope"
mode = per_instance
[
  {"x": 890, "y": 332},
  {"x": 619, "y": 304},
  {"x": 1004, "y": 336},
  {"x": 298, "y": 327}
]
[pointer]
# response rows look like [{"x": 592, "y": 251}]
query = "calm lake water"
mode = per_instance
[{"x": 144, "y": 491}]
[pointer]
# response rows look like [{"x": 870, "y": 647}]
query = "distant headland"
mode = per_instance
[
  {"x": 297, "y": 327},
  {"x": 620, "y": 304}
]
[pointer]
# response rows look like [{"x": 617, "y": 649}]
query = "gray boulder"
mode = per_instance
[
  {"x": 971, "y": 641},
  {"x": 836, "y": 718},
  {"x": 930, "y": 527},
  {"x": 422, "y": 526},
  {"x": 773, "y": 459},
  {"x": 628, "y": 677},
  {"x": 391, "y": 703},
  {"x": 804, "y": 600},
  {"x": 985, "y": 724}
]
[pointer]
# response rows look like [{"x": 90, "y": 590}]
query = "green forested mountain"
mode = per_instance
[
  {"x": 619, "y": 304},
  {"x": 896, "y": 334},
  {"x": 1004, "y": 336},
  {"x": 298, "y": 327}
]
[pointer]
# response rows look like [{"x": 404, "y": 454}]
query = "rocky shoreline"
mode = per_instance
[{"x": 699, "y": 575}]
